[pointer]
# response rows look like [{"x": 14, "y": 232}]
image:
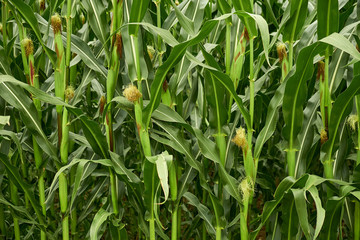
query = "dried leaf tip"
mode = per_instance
[
  {"x": 118, "y": 43},
  {"x": 281, "y": 51},
  {"x": 28, "y": 45},
  {"x": 132, "y": 93},
  {"x": 240, "y": 138},
  {"x": 102, "y": 104},
  {"x": 352, "y": 121},
  {"x": 165, "y": 85},
  {"x": 246, "y": 34},
  {"x": 42, "y": 5},
  {"x": 56, "y": 23},
  {"x": 69, "y": 93},
  {"x": 320, "y": 72},
  {"x": 323, "y": 136}
]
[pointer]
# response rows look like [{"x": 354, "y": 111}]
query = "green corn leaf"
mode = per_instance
[
  {"x": 246, "y": 6},
  {"x": 320, "y": 211},
  {"x": 4, "y": 120},
  {"x": 184, "y": 21},
  {"x": 15, "y": 96},
  {"x": 223, "y": 6},
  {"x": 203, "y": 211},
  {"x": 270, "y": 206},
  {"x": 97, "y": 20},
  {"x": 263, "y": 27},
  {"x": 271, "y": 120},
  {"x": 295, "y": 91},
  {"x": 175, "y": 55},
  {"x": 339, "y": 41},
  {"x": 289, "y": 216},
  {"x": 340, "y": 110},
  {"x": 162, "y": 161},
  {"x": 328, "y": 17},
  {"x": 100, "y": 217},
  {"x": 92, "y": 133},
  {"x": 16, "y": 178},
  {"x": 228, "y": 84},
  {"x": 333, "y": 212},
  {"x": 298, "y": 12},
  {"x": 138, "y": 10},
  {"x": 306, "y": 135},
  {"x": 301, "y": 208}
]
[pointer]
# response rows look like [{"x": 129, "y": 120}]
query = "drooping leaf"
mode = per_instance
[
  {"x": 100, "y": 217},
  {"x": 246, "y": 6}
]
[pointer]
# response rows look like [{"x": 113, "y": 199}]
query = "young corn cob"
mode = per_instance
[
  {"x": 64, "y": 148},
  {"x": 133, "y": 94},
  {"x": 42, "y": 6},
  {"x": 111, "y": 85},
  {"x": 237, "y": 64},
  {"x": 165, "y": 94},
  {"x": 34, "y": 81},
  {"x": 63, "y": 129},
  {"x": 320, "y": 76},
  {"x": 247, "y": 190},
  {"x": 114, "y": 65},
  {"x": 283, "y": 59},
  {"x": 239, "y": 56},
  {"x": 60, "y": 81}
]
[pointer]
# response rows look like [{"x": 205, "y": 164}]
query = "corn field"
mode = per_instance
[{"x": 180, "y": 119}]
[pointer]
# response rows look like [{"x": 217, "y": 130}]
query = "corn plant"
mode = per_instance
[{"x": 186, "y": 119}]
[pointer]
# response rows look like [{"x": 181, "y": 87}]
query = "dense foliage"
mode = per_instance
[{"x": 186, "y": 119}]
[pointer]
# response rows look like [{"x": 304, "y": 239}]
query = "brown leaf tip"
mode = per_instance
[
  {"x": 320, "y": 72},
  {"x": 132, "y": 93},
  {"x": 102, "y": 104},
  {"x": 240, "y": 138},
  {"x": 28, "y": 45},
  {"x": 42, "y": 5},
  {"x": 118, "y": 43},
  {"x": 165, "y": 85},
  {"x": 281, "y": 51},
  {"x": 246, "y": 34},
  {"x": 56, "y": 23}
]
